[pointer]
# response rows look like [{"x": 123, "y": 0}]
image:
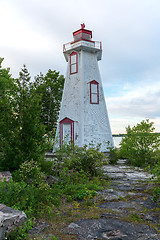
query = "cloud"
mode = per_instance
[
  {"x": 141, "y": 101},
  {"x": 135, "y": 104},
  {"x": 118, "y": 125},
  {"x": 33, "y": 32}
]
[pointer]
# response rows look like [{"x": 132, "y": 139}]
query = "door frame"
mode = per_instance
[{"x": 63, "y": 121}]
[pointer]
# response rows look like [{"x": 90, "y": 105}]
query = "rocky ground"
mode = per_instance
[
  {"x": 127, "y": 209},
  {"x": 123, "y": 211}
]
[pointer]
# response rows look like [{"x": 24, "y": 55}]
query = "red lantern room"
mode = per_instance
[{"x": 82, "y": 34}]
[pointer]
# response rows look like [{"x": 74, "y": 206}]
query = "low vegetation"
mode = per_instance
[
  {"x": 74, "y": 180},
  {"x": 141, "y": 147},
  {"x": 25, "y": 130},
  {"x": 140, "y": 144}
]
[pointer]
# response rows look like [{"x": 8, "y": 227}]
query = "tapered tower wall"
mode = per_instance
[{"x": 83, "y": 110}]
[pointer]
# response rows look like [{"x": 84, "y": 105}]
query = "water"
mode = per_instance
[{"x": 117, "y": 141}]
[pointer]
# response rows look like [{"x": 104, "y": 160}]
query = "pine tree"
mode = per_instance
[
  {"x": 51, "y": 88},
  {"x": 26, "y": 131}
]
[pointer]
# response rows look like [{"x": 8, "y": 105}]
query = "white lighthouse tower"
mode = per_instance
[{"x": 83, "y": 117}]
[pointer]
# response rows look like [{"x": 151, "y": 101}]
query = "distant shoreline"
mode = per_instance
[{"x": 124, "y": 134}]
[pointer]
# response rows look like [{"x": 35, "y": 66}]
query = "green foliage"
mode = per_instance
[
  {"x": 7, "y": 118},
  {"x": 139, "y": 143},
  {"x": 21, "y": 233},
  {"x": 33, "y": 200},
  {"x": 113, "y": 155},
  {"x": 46, "y": 166},
  {"x": 31, "y": 193},
  {"x": 77, "y": 185},
  {"x": 135, "y": 217},
  {"x": 29, "y": 110},
  {"x": 78, "y": 192},
  {"x": 21, "y": 129},
  {"x": 26, "y": 108},
  {"x": 141, "y": 147},
  {"x": 30, "y": 172},
  {"x": 88, "y": 160},
  {"x": 54, "y": 238},
  {"x": 155, "y": 170},
  {"x": 50, "y": 87},
  {"x": 76, "y": 167}
]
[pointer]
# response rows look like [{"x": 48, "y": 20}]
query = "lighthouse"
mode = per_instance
[{"x": 83, "y": 117}]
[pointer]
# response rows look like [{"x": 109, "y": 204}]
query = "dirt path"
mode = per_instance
[{"x": 128, "y": 210}]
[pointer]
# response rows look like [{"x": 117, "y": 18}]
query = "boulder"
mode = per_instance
[
  {"x": 10, "y": 219},
  {"x": 5, "y": 175}
]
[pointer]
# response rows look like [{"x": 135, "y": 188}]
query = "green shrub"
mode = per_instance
[
  {"x": 47, "y": 166},
  {"x": 155, "y": 156},
  {"x": 69, "y": 176},
  {"x": 113, "y": 155},
  {"x": 78, "y": 191},
  {"x": 30, "y": 172},
  {"x": 21, "y": 232},
  {"x": 156, "y": 175},
  {"x": 77, "y": 172},
  {"x": 140, "y": 143},
  {"x": 88, "y": 160},
  {"x": 31, "y": 193},
  {"x": 76, "y": 167},
  {"x": 77, "y": 185},
  {"x": 26, "y": 197}
]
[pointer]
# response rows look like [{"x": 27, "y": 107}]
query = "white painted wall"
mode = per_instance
[{"x": 91, "y": 120}]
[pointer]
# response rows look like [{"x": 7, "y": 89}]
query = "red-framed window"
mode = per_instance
[
  {"x": 66, "y": 126},
  {"x": 94, "y": 92},
  {"x": 73, "y": 62}
]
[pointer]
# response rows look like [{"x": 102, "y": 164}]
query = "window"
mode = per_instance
[
  {"x": 94, "y": 92},
  {"x": 73, "y": 63},
  {"x": 66, "y": 131}
]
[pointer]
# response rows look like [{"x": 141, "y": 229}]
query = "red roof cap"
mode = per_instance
[{"x": 82, "y": 30}]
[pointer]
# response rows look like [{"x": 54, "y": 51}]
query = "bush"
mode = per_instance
[
  {"x": 140, "y": 143},
  {"x": 156, "y": 175},
  {"x": 31, "y": 193},
  {"x": 46, "y": 166},
  {"x": 77, "y": 171},
  {"x": 113, "y": 155},
  {"x": 78, "y": 191},
  {"x": 76, "y": 185},
  {"x": 26, "y": 197},
  {"x": 88, "y": 160},
  {"x": 21, "y": 233},
  {"x": 30, "y": 172}
]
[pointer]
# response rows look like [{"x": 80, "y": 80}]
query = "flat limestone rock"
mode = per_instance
[
  {"x": 125, "y": 173},
  {"x": 124, "y": 207},
  {"x": 113, "y": 229},
  {"x": 9, "y": 219}
]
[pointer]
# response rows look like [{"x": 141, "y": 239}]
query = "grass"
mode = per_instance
[
  {"x": 71, "y": 199},
  {"x": 74, "y": 211},
  {"x": 69, "y": 212}
]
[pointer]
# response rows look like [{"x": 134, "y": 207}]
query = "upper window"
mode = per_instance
[
  {"x": 73, "y": 62},
  {"x": 94, "y": 92}
]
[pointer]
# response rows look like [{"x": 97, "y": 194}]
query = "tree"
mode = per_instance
[
  {"x": 7, "y": 117},
  {"x": 139, "y": 143},
  {"x": 25, "y": 132},
  {"x": 51, "y": 88}
]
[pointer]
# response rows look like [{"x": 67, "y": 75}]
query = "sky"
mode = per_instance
[{"x": 33, "y": 33}]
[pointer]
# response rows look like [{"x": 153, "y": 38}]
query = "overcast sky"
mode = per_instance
[{"x": 34, "y": 31}]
